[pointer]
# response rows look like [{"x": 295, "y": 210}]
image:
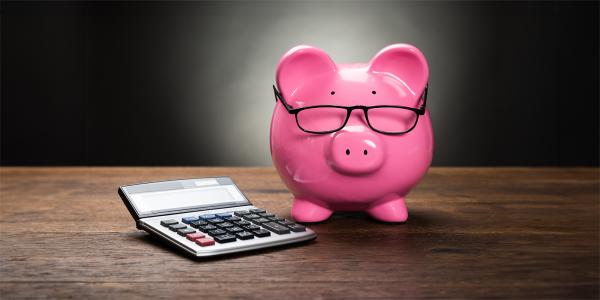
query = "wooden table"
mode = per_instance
[{"x": 472, "y": 233}]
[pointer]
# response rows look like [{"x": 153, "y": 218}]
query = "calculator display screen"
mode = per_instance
[{"x": 157, "y": 201}]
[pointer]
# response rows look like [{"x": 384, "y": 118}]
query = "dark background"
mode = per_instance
[{"x": 189, "y": 83}]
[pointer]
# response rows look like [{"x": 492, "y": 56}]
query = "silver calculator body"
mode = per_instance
[{"x": 156, "y": 205}]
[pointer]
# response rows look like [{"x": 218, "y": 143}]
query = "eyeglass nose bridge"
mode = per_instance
[{"x": 364, "y": 119}]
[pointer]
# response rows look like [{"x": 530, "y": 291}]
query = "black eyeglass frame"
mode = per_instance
[{"x": 418, "y": 111}]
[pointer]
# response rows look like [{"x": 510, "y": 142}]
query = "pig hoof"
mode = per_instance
[
  {"x": 308, "y": 212},
  {"x": 390, "y": 211}
]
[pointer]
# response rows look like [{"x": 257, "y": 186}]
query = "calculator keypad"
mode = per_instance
[{"x": 229, "y": 227}]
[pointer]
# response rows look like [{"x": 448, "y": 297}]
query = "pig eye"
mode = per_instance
[
  {"x": 373, "y": 92},
  {"x": 332, "y": 93}
]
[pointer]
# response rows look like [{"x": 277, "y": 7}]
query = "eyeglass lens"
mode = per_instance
[{"x": 385, "y": 119}]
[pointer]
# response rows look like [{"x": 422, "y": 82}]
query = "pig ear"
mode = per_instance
[
  {"x": 300, "y": 64},
  {"x": 404, "y": 62}
]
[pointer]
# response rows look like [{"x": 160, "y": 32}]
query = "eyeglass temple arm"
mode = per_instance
[
  {"x": 424, "y": 97},
  {"x": 279, "y": 96}
]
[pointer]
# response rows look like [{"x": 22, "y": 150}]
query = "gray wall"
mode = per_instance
[{"x": 189, "y": 83}]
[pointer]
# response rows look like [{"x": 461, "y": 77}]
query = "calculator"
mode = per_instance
[{"x": 207, "y": 217}]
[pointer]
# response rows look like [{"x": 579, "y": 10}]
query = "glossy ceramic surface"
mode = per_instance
[{"x": 354, "y": 168}]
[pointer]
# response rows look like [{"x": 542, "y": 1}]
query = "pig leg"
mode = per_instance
[
  {"x": 393, "y": 210},
  {"x": 309, "y": 211}
]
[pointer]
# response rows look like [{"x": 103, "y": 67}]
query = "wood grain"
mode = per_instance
[{"x": 472, "y": 233}]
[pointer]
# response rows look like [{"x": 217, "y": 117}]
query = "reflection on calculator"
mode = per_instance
[{"x": 207, "y": 216}]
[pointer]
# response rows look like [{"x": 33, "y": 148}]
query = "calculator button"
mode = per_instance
[
  {"x": 232, "y": 218},
  {"x": 260, "y": 221},
  {"x": 234, "y": 229},
  {"x": 251, "y": 227},
  {"x": 266, "y": 215},
  {"x": 217, "y": 232},
  {"x": 215, "y": 220},
  {"x": 277, "y": 228},
  {"x": 257, "y": 210},
  {"x": 185, "y": 231},
  {"x": 297, "y": 228},
  {"x": 242, "y": 223},
  {"x": 225, "y": 238},
  {"x": 244, "y": 235},
  {"x": 261, "y": 233},
  {"x": 205, "y": 217},
  {"x": 198, "y": 223},
  {"x": 286, "y": 222},
  {"x": 166, "y": 223},
  {"x": 176, "y": 227},
  {"x": 207, "y": 227},
  {"x": 188, "y": 220},
  {"x": 251, "y": 217},
  {"x": 194, "y": 236},
  {"x": 223, "y": 215},
  {"x": 241, "y": 213},
  {"x": 276, "y": 218},
  {"x": 225, "y": 225},
  {"x": 205, "y": 242}
]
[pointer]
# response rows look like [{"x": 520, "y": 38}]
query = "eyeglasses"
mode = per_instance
[{"x": 385, "y": 119}]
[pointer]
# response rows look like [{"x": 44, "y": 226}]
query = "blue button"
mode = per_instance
[
  {"x": 223, "y": 215},
  {"x": 188, "y": 220},
  {"x": 206, "y": 217}
]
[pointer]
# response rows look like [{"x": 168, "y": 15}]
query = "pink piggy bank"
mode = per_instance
[{"x": 351, "y": 137}]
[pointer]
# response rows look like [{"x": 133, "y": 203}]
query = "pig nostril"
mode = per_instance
[
  {"x": 365, "y": 152},
  {"x": 347, "y": 151}
]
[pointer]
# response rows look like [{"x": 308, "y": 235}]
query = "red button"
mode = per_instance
[
  {"x": 205, "y": 242},
  {"x": 194, "y": 236}
]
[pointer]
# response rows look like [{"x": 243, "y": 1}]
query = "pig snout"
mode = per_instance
[{"x": 356, "y": 153}]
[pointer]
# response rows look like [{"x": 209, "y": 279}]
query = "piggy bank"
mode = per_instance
[{"x": 351, "y": 137}]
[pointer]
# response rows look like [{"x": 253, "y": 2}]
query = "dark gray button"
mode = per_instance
[
  {"x": 207, "y": 227},
  {"x": 260, "y": 221},
  {"x": 225, "y": 225},
  {"x": 198, "y": 223},
  {"x": 244, "y": 235},
  {"x": 217, "y": 232},
  {"x": 251, "y": 227},
  {"x": 234, "y": 229},
  {"x": 286, "y": 222},
  {"x": 297, "y": 228},
  {"x": 277, "y": 228},
  {"x": 276, "y": 218},
  {"x": 176, "y": 227},
  {"x": 183, "y": 232},
  {"x": 261, "y": 233},
  {"x": 266, "y": 215},
  {"x": 251, "y": 217},
  {"x": 242, "y": 223},
  {"x": 168, "y": 222},
  {"x": 225, "y": 238}
]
